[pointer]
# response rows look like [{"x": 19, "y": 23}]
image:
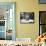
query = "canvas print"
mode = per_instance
[{"x": 27, "y": 17}]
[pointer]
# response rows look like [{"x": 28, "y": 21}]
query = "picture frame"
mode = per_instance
[
  {"x": 26, "y": 17},
  {"x": 42, "y": 1}
]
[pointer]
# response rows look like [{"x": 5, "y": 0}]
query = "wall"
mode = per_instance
[{"x": 27, "y": 30}]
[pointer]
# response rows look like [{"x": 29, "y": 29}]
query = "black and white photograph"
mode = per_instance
[{"x": 26, "y": 17}]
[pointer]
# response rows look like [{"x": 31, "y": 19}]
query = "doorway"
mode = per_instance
[
  {"x": 42, "y": 22},
  {"x": 7, "y": 21}
]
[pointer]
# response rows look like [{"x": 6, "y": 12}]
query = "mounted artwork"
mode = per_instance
[{"x": 27, "y": 17}]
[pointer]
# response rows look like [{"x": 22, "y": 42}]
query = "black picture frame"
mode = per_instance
[
  {"x": 42, "y": 1},
  {"x": 26, "y": 17}
]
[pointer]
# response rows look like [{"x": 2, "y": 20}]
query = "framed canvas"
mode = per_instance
[
  {"x": 26, "y": 17},
  {"x": 7, "y": 21},
  {"x": 42, "y": 1}
]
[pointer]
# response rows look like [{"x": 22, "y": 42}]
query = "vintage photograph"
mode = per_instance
[{"x": 26, "y": 17}]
